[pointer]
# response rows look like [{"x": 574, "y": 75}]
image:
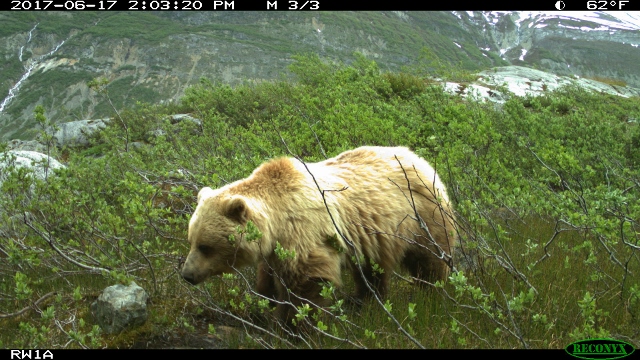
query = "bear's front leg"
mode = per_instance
[
  {"x": 295, "y": 296},
  {"x": 265, "y": 282}
]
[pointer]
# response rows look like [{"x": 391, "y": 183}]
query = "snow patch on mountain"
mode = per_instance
[{"x": 628, "y": 20}]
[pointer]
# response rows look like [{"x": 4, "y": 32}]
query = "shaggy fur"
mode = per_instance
[{"x": 357, "y": 203}]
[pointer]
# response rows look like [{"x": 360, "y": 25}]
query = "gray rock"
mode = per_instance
[
  {"x": 522, "y": 81},
  {"x": 476, "y": 92},
  {"x": 29, "y": 145},
  {"x": 176, "y": 118},
  {"x": 152, "y": 134},
  {"x": 120, "y": 307},
  {"x": 77, "y": 133},
  {"x": 137, "y": 145},
  {"x": 40, "y": 164}
]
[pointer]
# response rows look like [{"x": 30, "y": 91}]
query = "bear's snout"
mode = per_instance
[
  {"x": 189, "y": 277},
  {"x": 188, "y": 272}
]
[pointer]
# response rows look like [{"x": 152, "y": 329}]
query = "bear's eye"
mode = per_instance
[{"x": 205, "y": 250}]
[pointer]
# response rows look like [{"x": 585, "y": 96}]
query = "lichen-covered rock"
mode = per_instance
[
  {"x": 177, "y": 118},
  {"x": 40, "y": 164},
  {"x": 523, "y": 81},
  {"x": 120, "y": 307},
  {"x": 28, "y": 145},
  {"x": 77, "y": 133}
]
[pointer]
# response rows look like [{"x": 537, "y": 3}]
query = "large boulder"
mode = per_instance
[
  {"x": 120, "y": 307},
  {"x": 40, "y": 164},
  {"x": 28, "y": 145},
  {"x": 178, "y": 118},
  {"x": 523, "y": 81},
  {"x": 77, "y": 133}
]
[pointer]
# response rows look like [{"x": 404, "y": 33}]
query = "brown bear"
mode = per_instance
[{"x": 371, "y": 209}]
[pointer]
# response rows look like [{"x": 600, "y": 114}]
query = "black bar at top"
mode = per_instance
[{"x": 318, "y": 5}]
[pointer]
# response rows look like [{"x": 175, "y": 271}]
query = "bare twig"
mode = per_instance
[{"x": 18, "y": 313}]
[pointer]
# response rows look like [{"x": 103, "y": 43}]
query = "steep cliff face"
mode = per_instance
[
  {"x": 48, "y": 58},
  {"x": 585, "y": 44},
  {"x": 153, "y": 61}
]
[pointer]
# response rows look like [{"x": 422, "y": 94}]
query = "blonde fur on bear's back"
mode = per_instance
[
  {"x": 362, "y": 199},
  {"x": 382, "y": 187}
]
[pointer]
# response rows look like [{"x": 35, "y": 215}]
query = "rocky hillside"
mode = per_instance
[
  {"x": 598, "y": 45},
  {"x": 49, "y": 57},
  {"x": 499, "y": 83}
]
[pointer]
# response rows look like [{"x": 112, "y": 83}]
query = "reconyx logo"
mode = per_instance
[{"x": 599, "y": 349}]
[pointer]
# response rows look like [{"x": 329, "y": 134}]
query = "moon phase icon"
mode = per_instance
[{"x": 559, "y": 5}]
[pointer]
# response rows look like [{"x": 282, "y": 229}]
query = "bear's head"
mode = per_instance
[{"x": 216, "y": 247}]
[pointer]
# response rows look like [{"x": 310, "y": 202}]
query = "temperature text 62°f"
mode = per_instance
[{"x": 606, "y": 5}]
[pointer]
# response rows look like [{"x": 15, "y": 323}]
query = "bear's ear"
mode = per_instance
[
  {"x": 236, "y": 209},
  {"x": 204, "y": 193}
]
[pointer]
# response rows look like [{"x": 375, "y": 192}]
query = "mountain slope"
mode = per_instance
[{"x": 154, "y": 56}]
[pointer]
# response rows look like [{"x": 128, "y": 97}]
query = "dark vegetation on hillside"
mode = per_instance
[{"x": 545, "y": 190}]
